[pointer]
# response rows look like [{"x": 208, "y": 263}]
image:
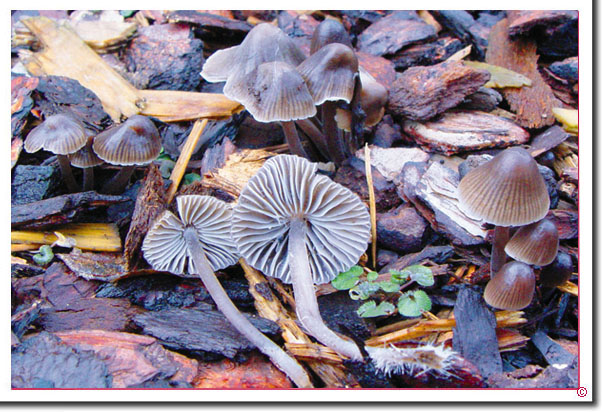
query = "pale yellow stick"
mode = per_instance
[{"x": 372, "y": 202}]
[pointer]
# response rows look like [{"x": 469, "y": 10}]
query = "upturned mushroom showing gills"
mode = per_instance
[
  {"x": 134, "y": 142},
  {"x": 534, "y": 244},
  {"x": 198, "y": 241},
  {"x": 62, "y": 135},
  {"x": 506, "y": 191},
  {"x": 512, "y": 287},
  {"x": 302, "y": 228}
]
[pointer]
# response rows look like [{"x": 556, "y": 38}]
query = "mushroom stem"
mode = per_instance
[
  {"x": 119, "y": 181},
  {"x": 501, "y": 234},
  {"x": 88, "y": 183},
  {"x": 67, "y": 173},
  {"x": 281, "y": 359},
  {"x": 316, "y": 136},
  {"x": 336, "y": 146},
  {"x": 306, "y": 302},
  {"x": 293, "y": 140}
]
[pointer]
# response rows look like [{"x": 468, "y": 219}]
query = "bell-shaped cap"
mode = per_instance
[
  {"x": 277, "y": 93},
  {"x": 287, "y": 187},
  {"x": 512, "y": 287},
  {"x": 85, "y": 157},
  {"x": 330, "y": 73},
  {"x": 373, "y": 98},
  {"x": 220, "y": 65},
  {"x": 506, "y": 191},
  {"x": 557, "y": 272},
  {"x": 329, "y": 31},
  {"x": 534, "y": 244},
  {"x": 60, "y": 134},
  {"x": 165, "y": 248},
  {"x": 134, "y": 142}
]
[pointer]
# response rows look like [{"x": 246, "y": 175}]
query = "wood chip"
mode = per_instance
[
  {"x": 102, "y": 237},
  {"x": 106, "y": 267}
]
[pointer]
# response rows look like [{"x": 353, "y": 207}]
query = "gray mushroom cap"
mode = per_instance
[
  {"x": 85, "y": 157},
  {"x": 60, "y": 134},
  {"x": 287, "y": 187},
  {"x": 164, "y": 246}
]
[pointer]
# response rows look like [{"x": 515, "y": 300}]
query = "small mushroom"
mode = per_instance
[
  {"x": 198, "y": 241},
  {"x": 86, "y": 159},
  {"x": 534, "y": 244},
  {"x": 304, "y": 229},
  {"x": 512, "y": 288},
  {"x": 557, "y": 272},
  {"x": 329, "y": 31},
  {"x": 135, "y": 142},
  {"x": 62, "y": 135},
  {"x": 506, "y": 191}
]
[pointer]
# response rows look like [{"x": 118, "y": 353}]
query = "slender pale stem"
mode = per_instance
[
  {"x": 501, "y": 235},
  {"x": 281, "y": 359},
  {"x": 119, "y": 181},
  {"x": 293, "y": 140},
  {"x": 305, "y": 295},
  {"x": 336, "y": 146},
  {"x": 67, "y": 173},
  {"x": 88, "y": 179},
  {"x": 316, "y": 136}
]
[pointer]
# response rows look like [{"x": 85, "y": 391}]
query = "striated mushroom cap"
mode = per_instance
[
  {"x": 85, "y": 157},
  {"x": 511, "y": 288},
  {"x": 134, "y": 142},
  {"x": 60, "y": 134},
  {"x": 534, "y": 244},
  {"x": 220, "y": 65},
  {"x": 329, "y": 31},
  {"x": 278, "y": 93},
  {"x": 330, "y": 73},
  {"x": 506, "y": 191},
  {"x": 164, "y": 246},
  {"x": 338, "y": 223}
]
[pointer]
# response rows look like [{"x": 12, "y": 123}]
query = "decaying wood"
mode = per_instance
[
  {"x": 107, "y": 267},
  {"x": 547, "y": 140},
  {"x": 270, "y": 307},
  {"x": 522, "y": 21},
  {"x": 101, "y": 237},
  {"x": 402, "y": 229},
  {"x": 533, "y": 105}
]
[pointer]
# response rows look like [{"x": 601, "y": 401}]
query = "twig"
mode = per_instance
[{"x": 372, "y": 202}]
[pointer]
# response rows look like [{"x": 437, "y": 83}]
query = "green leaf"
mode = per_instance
[
  {"x": 371, "y": 276},
  {"x": 347, "y": 280},
  {"x": 422, "y": 275},
  {"x": 127, "y": 13},
  {"x": 412, "y": 303},
  {"x": 371, "y": 310},
  {"x": 399, "y": 277},
  {"x": 190, "y": 177},
  {"x": 389, "y": 287},
  {"x": 363, "y": 291}
]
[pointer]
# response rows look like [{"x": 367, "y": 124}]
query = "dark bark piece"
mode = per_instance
[
  {"x": 566, "y": 221},
  {"x": 474, "y": 334},
  {"x": 385, "y": 257},
  {"x": 21, "y": 321},
  {"x": 408, "y": 180},
  {"x": 437, "y": 254},
  {"x": 532, "y": 105},
  {"x": 367, "y": 375},
  {"x": 559, "y": 42},
  {"x": 299, "y": 27},
  {"x": 89, "y": 313},
  {"x": 484, "y": 99},
  {"x": 18, "y": 270},
  {"x": 393, "y": 32},
  {"x": 254, "y": 135},
  {"x": 549, "y": 178},
  {"x": 339, "y": 312},
  {"x": 548, "y": 140},
  {"x": 521, "y": 22},
  {"x": 402, "y": 229},
  {"x": 57, "y": 94},
  {"x": 31, "y": 183},
  {"x": 426, "y": 54},
  {"x": 215, "y": 157},
  {"x": 554, "y": 352},
  {"x": 43, "y": 361},
  {"x": 567, "y": 69},
  {"x": 386, "y": 133},
  {"x": 550, "y": 377},
  {"x": 465, "y": 131},
  {"x": 150, "y": 203},
  {"x": 165, "y": 57},
  {"x": 464, "y": 26},
  {"x": 565, "y": 90},
  {"x": 352, "y": 175},
  {"x": 132, "y": 359},
  {"x": 210, "y": 23},
  {"x": 255, "y": 373},
  {"x": 356, "y": 21},
  {"x": 380, "y": 68},
  {"x": 59, "y": 210},
  {"x": 200, "y": 330},
  {"x": 421, "y": 93},
  {"x": 21, "y": 103}
]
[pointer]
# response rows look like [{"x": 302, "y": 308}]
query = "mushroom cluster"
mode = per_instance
[
  {"x": 508, "y": 191},
  {"x": 133, "y": 142},
  {"x": 271, "y": 77}
]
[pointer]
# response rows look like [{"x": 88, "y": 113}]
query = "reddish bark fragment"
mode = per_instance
[
  {"x": 566, "y": 221},
  {"x": 426, "y": 54},
  {"x": 106, "y": 267},
  {"x": 402, "y": 229},
  {"x": 532, "y": 105},
  {"x": 380, "y": 68},
  {"x": 522, "y": 21},
  {"x": 300, "y": 27},
  {"x": 209, "y": 21},
  {"x": 255, "y": 373}
]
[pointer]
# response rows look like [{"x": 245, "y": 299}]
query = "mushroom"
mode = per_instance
[
  {"x": 86, "y": 159},
  {"x": 331, "y": 74},
  {"x": 329, "y": 31},
  {"x": 557, "y": 272},
  {"x": 62, "y": 135},
  {"x": 134, "y": 142},
  {"x": 198, "y": 241},
  {"x": 304, "y": 229},
  {"x": 534, "y": 244},
  {"x": 512, "y": 287},
  {"x": 506, "y": 191}
]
